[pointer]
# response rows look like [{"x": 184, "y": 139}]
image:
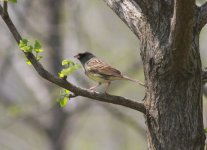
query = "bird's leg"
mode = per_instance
[
  {"x": 93, "y": 87},
  {"x": 108, "y": 84}
]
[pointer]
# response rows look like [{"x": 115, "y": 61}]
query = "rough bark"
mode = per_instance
[
  {"x": 174, "y": 98},
  {"x": 173, "y": 75},
  {"x": 169, "y": 35}
]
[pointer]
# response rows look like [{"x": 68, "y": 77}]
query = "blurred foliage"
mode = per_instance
[{"x": 13, "y": 1}]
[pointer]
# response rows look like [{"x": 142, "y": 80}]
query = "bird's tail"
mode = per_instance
[{"x": 133, "y": 80}]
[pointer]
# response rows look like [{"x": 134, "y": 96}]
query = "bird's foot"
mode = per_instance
[
  {"x": 106, "y": 93},
  {"x": 92, "y": 89}
]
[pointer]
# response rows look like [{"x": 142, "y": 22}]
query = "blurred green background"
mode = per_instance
[{"x": 31, "y": 119}]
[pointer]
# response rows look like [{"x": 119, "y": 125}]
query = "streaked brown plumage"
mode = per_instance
[{"x": 101, "y": 71}]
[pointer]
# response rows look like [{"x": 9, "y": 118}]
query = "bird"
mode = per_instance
[{"x": 100, "y": 71}]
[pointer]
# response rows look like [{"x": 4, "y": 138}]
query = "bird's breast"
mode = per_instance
[{"x": 97, "y": 77}]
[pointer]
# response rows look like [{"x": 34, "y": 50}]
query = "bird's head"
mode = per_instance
[{"x": 84, "y": 57}]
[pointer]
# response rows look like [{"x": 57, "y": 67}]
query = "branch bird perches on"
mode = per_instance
[{"x": 77, "y": 91}]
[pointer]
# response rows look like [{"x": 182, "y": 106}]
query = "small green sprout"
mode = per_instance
[
  {"x": 70, "y": 67},
  {"x": 27, "y": 48},
  {"x": 63, "y": 98}
]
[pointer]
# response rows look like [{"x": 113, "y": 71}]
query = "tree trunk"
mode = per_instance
[
  {"x": 173, "y": 100},
  {"x": 169, "y": 34},
  {"x": 173, "y": 97}
]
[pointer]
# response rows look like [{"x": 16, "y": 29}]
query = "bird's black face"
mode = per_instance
[{"x": 84, "y": 57}]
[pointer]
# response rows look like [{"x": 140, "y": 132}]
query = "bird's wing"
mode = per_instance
[{"x": 97, "y": 66}]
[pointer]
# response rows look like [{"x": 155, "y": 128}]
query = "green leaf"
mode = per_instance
[
  {"x": 67, "y": 71},
  {"x": 61, "y": 75},
  {"x": 70, "y": 67},
  {"x": 39, "y": 57},
  {"x": 67, "y": 92},
  {"x": 65, "y": 62},
  {"x": 37, "y": 45},
  {"x": 23, "y": 43},
  {"x": 27, "y": 48},
  {"x": 24, "y": 46},
  {"x": 64, "y": 97},
  {"x": 38, "y": 50},
  {"x": 28, "y": 62},
  {"x": 63, "y": 102}
]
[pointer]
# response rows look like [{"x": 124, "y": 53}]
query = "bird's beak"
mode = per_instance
[{"x": 77, "y": 56}]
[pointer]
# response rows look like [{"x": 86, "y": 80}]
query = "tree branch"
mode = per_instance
[
  {"x": 129, "y": 13},
  {"x": 182, "y": 17},
  {"x": 67, "y": 85},
  {"x": 181, "y": 29},
  {"x": 202, "y": 18},
  {"x": 5, "y": 5}
]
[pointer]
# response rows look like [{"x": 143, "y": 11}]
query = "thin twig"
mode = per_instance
[{"x": 5, "y": 8}]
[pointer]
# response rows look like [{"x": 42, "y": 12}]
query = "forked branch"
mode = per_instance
[
  {"x": 65, "y": 84},
  {"x": 129, "y": 12},
  {"x": 202, "y": 18},
  {"x": 181, "y": 29}
]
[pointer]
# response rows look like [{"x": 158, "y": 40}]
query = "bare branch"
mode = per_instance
[
  {"x": 67, "y": 85},
  {"x": 202, "y": 18},
  {"x": 129, "y": 13}
]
